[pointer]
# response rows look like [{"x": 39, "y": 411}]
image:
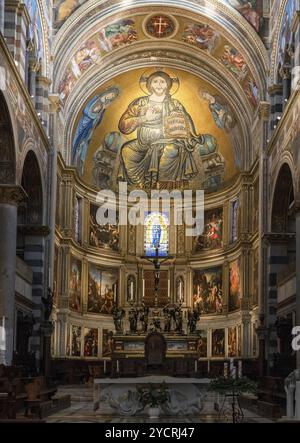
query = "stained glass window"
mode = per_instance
[{"x": 156, "y": 233}]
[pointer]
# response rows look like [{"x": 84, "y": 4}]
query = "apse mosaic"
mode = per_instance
[
  {"x": 75, "y": 285},
  {"x": 127, "y": 31},
  {"x": 212, "y": 233},
  {"x": 144, "y": 129},
  {"x": 102, "y": 289},
  {"x": 103, "y": 236},
  {"x": 208, "y": 290},
  {"x": 234, "y": 298},
  {"x": 156, "y": 234}
]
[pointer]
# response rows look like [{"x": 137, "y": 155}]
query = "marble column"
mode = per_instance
[{"x": 10, "y": 197}]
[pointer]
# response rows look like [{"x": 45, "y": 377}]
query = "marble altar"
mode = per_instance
[{"x": 118, "y": 396}]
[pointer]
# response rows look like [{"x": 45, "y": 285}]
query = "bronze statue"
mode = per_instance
[
  {"x": 118, "y": 315},
  {"x": 144, "y": 317},
  {"x": 193, "y": 318},
  {"x": 133, "y": 319}
]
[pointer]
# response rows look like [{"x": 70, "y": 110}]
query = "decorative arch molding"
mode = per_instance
[
  {"x": 228, "y": 21},
  {"x": 33, "y": 184},
  {"x": 31, "y": 145},
  {"x": 8, "y": 145},
  {"x": 285, "y": 163},
  {"x": 173, "y": 59}
]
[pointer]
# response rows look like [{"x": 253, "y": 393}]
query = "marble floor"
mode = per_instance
[{"x": 82, "y": 412}]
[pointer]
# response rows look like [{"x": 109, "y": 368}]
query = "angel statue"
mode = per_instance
[{"x": 91, "y": 118}]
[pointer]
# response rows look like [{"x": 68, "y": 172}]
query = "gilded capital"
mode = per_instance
[
  {"x": 12, "y": 194},
  {"x": 264, "y": 110}
]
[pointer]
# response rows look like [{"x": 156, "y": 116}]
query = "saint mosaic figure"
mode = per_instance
[
  {"x": 167, "y": 147},
  {"x": 92, "y": 117}
]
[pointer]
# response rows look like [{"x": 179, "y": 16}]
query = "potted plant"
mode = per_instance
[
  {"x": 153, "y": 396},
  {"x": 231, "y": 389}
]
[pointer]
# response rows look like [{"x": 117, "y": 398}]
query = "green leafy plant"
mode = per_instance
[
  {"x": 229, "y": 385},
  {"x": 153, "y": 395}
]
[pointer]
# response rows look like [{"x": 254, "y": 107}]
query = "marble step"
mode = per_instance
[{"x": 78, "y": 393}]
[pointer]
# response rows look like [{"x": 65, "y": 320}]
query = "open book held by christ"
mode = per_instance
[{"x": 176, "y": 126}]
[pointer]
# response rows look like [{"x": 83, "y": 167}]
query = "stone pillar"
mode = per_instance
[
  {"x": 34, "y": 66},
  {"x": 285, "y": 73},
  {"x": 264, "y": 114},
  {"x": 275, "y": 92},
  {"x": 297, "y": 399},
  {"x": 10, "y": 197},
  {"x": 297, "y": 215},
  {"x": 2, "y": 16},
  {"x": 46, "y": 332}
]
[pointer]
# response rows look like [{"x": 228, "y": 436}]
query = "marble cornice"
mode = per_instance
[{"x": 35, "y": 230}]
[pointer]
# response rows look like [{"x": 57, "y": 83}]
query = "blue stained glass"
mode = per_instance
[{"x": 156, "y": 234}]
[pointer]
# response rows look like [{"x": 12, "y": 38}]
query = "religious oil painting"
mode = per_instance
[
  {"x": 213, "y": 231},
  {"x": 65, "y": 8},
  {"x": 208, "y": 290},
  {"x": 134, "y": 346},
  {"x": 202, "y": 343},
  {"x": 85, "y": 57},
  {"x": 107, "y": 343},
  {"x": 117, "y": 34},
  {"x": 75, "y": 285},
  {"x": 252, "y": 10},
  {"x": 218, "y": 343},
  {"x": 76, "y": 341},
  {"x": 202, "y": 36},
  {"x": 90, "y": 342},
  {"x": 234, "y": 62},
  {"x": 156, "y": 234},
  {"x": 103, "y": 236},
  {"x": 234, "y": 299},
  {"x": 232, "y": 342},
  {"x": 102, "y": 289},
  {"x": 176, "y": 346}
]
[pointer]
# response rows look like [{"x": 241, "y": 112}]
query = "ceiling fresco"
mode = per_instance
[
  {"x": 158, "y": 127},
  {"x": 139, "y": 28},
  {"x": 251, "y": 10}
]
